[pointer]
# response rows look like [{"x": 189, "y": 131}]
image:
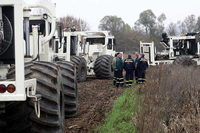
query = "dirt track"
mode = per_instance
[{"x": 96, "y": 98}]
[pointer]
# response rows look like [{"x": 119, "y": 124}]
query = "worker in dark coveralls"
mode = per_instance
[
  {"x": 129, "y": 66},
  {"x": 136, "y": 62},
  {"x": 119, "y": 69},
  {"x": 142, "y": 67},
  {"x": 113, "y": 66}
]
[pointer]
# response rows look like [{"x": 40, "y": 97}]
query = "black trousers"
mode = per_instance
[
  {"x": 141, "y": 78},
  {"x": 129, "y": 77},
  {"x": 120, "y": 79},
  {"x": 115, "y": 78},
  {"x": 136, "y": 76}
]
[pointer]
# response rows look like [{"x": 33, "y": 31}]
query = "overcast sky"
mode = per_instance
[{"x": 94, "y": 10}]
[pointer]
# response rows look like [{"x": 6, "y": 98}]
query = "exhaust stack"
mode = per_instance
[{"x": 26, "y": 30}]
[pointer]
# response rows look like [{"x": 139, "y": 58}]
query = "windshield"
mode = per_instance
[{"x": 93, "y": 41}]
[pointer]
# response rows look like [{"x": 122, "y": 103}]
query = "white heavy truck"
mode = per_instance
[
  {"x": 92, "y": 52},
  {"x": 183, "y": 50},
  {"x": 36, "y": 92}
]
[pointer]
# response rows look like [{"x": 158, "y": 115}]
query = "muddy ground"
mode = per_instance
[{"x": 96, "y": 98}]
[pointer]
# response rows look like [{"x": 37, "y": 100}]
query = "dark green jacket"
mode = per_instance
[
  {"x": 136, "y": 60},
  {"x": 119, "y": 63},
  {"x": 136, "y": 63}
]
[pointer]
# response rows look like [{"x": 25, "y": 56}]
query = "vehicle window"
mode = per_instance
[{"x": 109, "y": 44}]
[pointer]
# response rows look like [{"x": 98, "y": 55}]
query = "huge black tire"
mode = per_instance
[
  {"x": 68, "y": 72},
  {"x": 184, "y": 61},
  {"x": 2, "y": 118},
  {"x": 21, "y": 117},
  {"x": 103, "y": 67},
  {"x": 81, "y": 68}
]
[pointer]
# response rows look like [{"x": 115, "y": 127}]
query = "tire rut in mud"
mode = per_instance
[{"x": 96, "y": 98}]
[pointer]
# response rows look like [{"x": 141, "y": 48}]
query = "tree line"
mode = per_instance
[{"x": 147, "y": 28}]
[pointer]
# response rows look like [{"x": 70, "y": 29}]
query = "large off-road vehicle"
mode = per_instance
[
  {"x": 92, "y": 52},
  {"x": 36, "y": 91},
  {"x": 183, "y": 50}
]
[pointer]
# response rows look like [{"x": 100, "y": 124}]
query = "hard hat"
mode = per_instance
[{"x": 142, "y": 54}]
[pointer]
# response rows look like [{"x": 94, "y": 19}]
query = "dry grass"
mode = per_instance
[{"x": 171, "y": 100}]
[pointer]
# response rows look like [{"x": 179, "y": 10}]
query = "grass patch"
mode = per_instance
[{"x": 120, "y": 120}]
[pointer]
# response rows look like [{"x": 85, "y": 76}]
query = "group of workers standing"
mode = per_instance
[{"x": 131, "y": 66}]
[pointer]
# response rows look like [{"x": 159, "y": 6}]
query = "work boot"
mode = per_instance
[
  {"x": 122, "y": 85},
  {"x": 126, "y": 86}
]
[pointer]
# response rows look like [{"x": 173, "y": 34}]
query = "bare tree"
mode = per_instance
[
  {"x": 182, "y": 29},
  {"x": 160, "y": 24},
  {"x": 190, "y": 23},
  {"x": 80, "y": 24},
  {"x": 172, "y": 29}
]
